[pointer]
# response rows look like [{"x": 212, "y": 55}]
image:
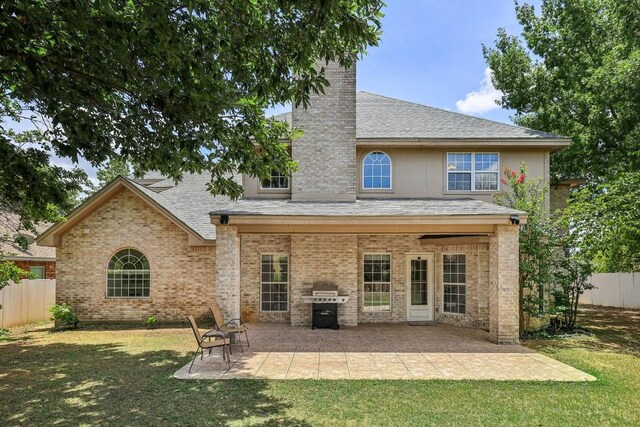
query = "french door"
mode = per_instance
[{"x": 420, "y": 287}]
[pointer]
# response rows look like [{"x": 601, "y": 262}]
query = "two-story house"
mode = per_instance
[{"x": 392, "y": 202}]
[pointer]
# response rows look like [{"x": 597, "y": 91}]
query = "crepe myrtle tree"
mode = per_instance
[
  {"x": 175, "y": 86},
  {"x": 537, "y": 240}
]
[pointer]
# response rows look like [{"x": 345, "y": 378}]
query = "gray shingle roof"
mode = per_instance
[
  {"x": 190, "y": 202},
  {"x": 381, "y": 117},
  {"x": 364, "y": 207}
]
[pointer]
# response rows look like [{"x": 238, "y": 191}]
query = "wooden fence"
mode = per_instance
[
  {"x": 614, "y": 290},
  {"x": 26, "y": 302}
]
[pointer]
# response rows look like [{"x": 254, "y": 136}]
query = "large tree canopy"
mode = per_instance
[
  {"x": 173, "y": 86},
  {"x": 575, "y": 71}
]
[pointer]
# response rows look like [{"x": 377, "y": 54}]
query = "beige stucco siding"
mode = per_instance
[
  {"x": 421, "y": 172},
  {"x": 182, "y": 276}
]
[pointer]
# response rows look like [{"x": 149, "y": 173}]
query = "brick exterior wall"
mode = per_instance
[
  {"x": 326, "y": 152},
  {"x": 504, "y": 327},
  {"x": 49, "y": 267},
  {"x": 182, "y": 277},
  {"x": 477, "y": 297},
  {"x": 339, "y": 259},
  {"x": 324, "y": 258}
]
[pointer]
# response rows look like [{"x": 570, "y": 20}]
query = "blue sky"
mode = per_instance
[{"x": 431, "y": 53}]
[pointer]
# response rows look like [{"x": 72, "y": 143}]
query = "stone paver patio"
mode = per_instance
[{"x": 379, "y": 351}]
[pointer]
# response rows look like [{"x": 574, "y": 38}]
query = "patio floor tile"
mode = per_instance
[{"x": 379, "y": 351}]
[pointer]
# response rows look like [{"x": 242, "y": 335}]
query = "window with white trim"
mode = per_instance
[
  {"x": 277, "y": 181},
  {"x": 376, "y": 171},
  {"x": 377, "y": 282},
  {"x": 454, "y": 278},
  {"x": 274, "y": 282},
  {"x": 128, "y": 275},
  {"x": 472, "y": 171}
]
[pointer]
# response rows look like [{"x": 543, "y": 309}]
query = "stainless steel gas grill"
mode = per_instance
[{"x": 324, "y": 310}]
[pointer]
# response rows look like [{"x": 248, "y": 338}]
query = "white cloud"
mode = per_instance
[{"x": 483, "y": 100}]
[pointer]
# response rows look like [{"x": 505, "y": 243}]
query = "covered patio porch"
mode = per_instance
[
  {"x": 379, "y": 351},
  {"x": 452, "y": 261}
]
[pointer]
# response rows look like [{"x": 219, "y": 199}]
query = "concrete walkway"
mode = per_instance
[{"x": 383, "y": 351}]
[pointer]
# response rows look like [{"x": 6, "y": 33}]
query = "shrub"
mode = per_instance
[
  {"x": 572, "y": 279},
  {"x": 64, "y": 314},
  {"x": 151, "y": 321}
]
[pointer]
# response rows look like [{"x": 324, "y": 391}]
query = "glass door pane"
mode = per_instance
[{"x": 418, "y": 282}]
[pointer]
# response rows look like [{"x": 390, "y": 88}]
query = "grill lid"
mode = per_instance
[{"x": 324, "y": 288}]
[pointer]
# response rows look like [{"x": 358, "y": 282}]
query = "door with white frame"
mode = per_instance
[{"x": 420, "y": 287}]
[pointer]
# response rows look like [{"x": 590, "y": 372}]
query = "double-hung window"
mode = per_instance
[
  {"x": 274, "y": 282},
  {"x": 454, "y": 278},
  {"x": 472, "y": 171},
  {"x": 377, "y": 282}
]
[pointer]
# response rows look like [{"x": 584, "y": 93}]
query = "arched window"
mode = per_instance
[
  {"x": 376, "y": 171},
  {"x": 128, "y": 275}
]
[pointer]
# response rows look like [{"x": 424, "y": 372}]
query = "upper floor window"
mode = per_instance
[
  {"x": 277, "y": 181},
  {"x": 472, "y": 171},
  {"x": 128, "y": 275},
  {"x": 376, "y": 171}
]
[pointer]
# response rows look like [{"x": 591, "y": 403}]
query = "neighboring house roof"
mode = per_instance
[
  {"x": 34, "y": 252},
  {"x": 380, "y": 117},
  {"x": 365, "y": 208}
]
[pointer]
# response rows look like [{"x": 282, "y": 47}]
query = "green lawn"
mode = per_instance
[{"x": 123, "y": 377}]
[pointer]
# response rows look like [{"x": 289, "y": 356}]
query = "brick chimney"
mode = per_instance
[{"x": 326, "y": 151}]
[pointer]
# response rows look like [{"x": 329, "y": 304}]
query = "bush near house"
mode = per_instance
[{"x": 64, "y": 315}]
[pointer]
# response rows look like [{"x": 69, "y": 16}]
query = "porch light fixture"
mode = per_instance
[
  {"x": 515, "y": 220},
  {"x": 224, "y": 219}
]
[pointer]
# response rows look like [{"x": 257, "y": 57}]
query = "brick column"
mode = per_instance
[
  {"x": 228, "y": 271},
  {"x": 503, "y": 286}
]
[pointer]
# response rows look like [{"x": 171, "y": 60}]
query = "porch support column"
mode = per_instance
[
  {"x": 228, "y": 271},
  {"x": 503, "y": 285}
]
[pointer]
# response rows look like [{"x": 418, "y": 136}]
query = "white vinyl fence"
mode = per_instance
[
  {"x": 26, "y": 302},
  {"x": 614, "y": 290}
]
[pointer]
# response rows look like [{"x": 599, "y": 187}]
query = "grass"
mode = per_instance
[{"x": 115, "y": 375}]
